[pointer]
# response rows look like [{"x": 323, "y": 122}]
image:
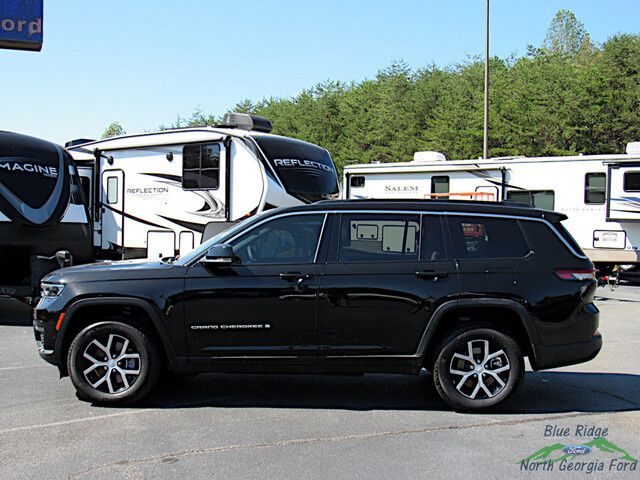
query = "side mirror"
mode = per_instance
[{"x": 219, "y": 255}]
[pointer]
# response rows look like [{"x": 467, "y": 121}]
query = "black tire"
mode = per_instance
[
  {"x": 489, "y": 392},
  {"x": 118, "y": 387}
]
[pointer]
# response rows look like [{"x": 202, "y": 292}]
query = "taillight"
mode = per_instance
[{"x": 576, "y": 274}]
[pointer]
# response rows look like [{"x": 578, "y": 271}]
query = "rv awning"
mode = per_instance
[{"x": 412, "y": 168}]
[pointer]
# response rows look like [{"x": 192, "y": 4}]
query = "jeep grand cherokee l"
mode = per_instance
[{"x": 466, "y": 290}]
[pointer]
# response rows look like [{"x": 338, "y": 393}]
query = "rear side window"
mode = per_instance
[
  {"x": 480, "y": 237},
  {"x": 379, "y": 238}
]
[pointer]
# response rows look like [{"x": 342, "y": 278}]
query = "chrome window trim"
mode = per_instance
[
  {"x": 324, "y": 222},
  {"x": 412, "y": 212}
]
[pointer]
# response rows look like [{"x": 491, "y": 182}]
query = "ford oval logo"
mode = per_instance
[{"x": 577, "y": 450}]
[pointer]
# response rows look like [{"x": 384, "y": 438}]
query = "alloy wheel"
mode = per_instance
[
  {"x": 480, "y": 369},
  {"x": 111, "y": 363}
]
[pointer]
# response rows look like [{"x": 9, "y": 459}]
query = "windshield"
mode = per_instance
[{"x": 199, "y": 251}]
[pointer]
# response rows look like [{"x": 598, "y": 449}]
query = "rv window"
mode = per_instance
[
  {"x": 440, "y": 184},
  {"x": 594, "y": 188},
  {"x": 112, "y": 190},
  {"x": 477, "y": 237},
  {"x": 357, "y": 181},
  {"x": 632, "y": 182},
  {"x": 201, "y": 167},
  {"x": 544, "y": 199},
  {"x": 379, "y": 238}
]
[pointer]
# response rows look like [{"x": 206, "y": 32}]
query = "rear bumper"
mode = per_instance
[{"x": 552, "y": 356}]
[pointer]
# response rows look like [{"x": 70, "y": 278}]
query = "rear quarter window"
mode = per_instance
[
  {"x": 483, "y": 237},
  {"x": 545, "y": 242}
]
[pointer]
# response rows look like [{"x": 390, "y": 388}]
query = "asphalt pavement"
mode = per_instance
[{"x": 297, "y": 426}]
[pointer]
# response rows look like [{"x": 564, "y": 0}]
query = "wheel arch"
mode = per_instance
[
  {"x": 124, "y": 309},
  {"x": 511, "y": 316}
]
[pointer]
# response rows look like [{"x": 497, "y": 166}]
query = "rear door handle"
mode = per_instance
[
  {"x": 292, "y": 276},
  {"x": 431, "y": 274}
]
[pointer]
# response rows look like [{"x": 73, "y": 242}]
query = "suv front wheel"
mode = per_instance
[
  {"x": 112, "y": 363},
  {"x": 477, "y": 367}
]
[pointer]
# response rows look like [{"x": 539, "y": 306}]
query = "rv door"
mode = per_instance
[
  {"x": 623, "y": 195},
  {"x": 112, "y": 200}
]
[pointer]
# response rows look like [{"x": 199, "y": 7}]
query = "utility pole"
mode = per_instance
[{"x": 485, "y": 150}]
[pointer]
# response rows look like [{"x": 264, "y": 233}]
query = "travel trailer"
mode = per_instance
[
  {"x": 44, "y": 224},
  {"x": 152, "y": 195},
  {"x": 599, "y": 193}
]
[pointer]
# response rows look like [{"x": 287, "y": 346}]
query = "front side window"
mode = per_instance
[
  {"x": 544, "y": 199},
  {"x": 379, "y": 238},
  {"x": 285, "y": 240},
  {"x": 478, "y": 237},
  {"x": 595, "y": 188},
  {"x": 201, "y": 167},
  {"x": 632, "y": 182}
]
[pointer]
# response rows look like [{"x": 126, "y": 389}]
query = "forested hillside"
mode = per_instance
[{"x": 566, "y": 96}]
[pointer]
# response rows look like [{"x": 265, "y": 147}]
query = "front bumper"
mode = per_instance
[
  {"x": 45, "y": 317},
  {"x": 552, "y": 356}
]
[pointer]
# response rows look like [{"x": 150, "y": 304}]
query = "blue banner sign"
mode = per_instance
[{"x": 21, "y": 24}]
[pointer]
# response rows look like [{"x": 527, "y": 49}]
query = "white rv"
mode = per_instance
[
  {"x": 152, "y": 195},
  {"x": 599, "y": 193}
]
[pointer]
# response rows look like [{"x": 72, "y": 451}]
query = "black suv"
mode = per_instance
[{"x": 463, "y": 289}]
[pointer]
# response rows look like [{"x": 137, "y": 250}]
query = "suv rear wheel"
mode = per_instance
[
  {"x": 112, "y": 363},
  {"x": 477, "y": 367}
]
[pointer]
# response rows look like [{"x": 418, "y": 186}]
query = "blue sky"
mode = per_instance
[{"x": 144, "y": 62}]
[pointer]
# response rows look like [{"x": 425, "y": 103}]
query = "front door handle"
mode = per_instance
[
  {"x": 431, "y": 274},
  {"x": 295, "y": 276}
]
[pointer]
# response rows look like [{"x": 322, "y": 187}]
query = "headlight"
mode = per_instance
[{"x": 51, "y": 289}]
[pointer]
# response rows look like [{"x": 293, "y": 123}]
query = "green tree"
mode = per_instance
[
  {"x": 113, "y": 130},
  {"x": 567, "y": 96},
  {"x": 566, "y": 34}
]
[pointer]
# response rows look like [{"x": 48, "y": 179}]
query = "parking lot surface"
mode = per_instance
[{"x": 296, "y": 426}]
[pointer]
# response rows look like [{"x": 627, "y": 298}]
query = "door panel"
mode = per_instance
[
  {"x": 377, "y": 302},
  {"x": 263, "y": 305},
  {"x": 252, "y": 311},
  {"x": 489, "y": 252}
]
